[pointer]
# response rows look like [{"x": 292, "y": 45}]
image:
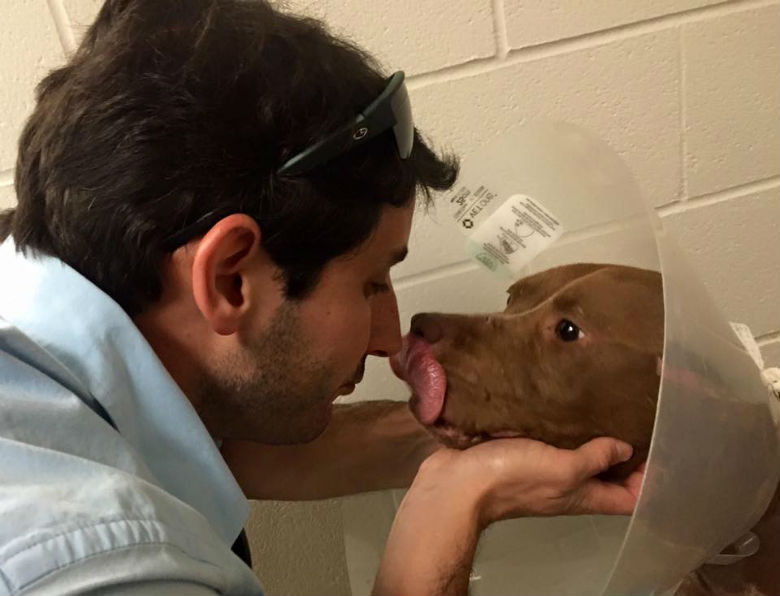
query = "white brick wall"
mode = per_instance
[
  {"x": 29, "y": 47},
  {"x": 399, "y": 32},
  {"x": 685, "y": 90},
  {"x": 731, "y": 97},
  {"x": 534, "y": 23}
]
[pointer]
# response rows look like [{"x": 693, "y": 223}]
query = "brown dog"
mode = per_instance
[{"x": 575, "y": 355}]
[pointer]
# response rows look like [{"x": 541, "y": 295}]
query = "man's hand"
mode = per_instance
[
  {"x": 457, "y": 494},
  {"x": 522, "y": 477}
]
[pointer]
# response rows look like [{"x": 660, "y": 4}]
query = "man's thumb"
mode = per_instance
[{"x": 600, "y": 454}]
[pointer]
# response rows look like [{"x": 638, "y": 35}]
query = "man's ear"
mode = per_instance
[{"x": 220, "y": 268}]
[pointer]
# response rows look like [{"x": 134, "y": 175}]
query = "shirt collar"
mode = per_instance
[{"x": 95, "y": 339}]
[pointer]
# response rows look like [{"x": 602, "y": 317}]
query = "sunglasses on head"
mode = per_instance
[{"x": 390, "y": 110}]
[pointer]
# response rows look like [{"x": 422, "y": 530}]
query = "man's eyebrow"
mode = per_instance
[{"x": 398, "y": 256}]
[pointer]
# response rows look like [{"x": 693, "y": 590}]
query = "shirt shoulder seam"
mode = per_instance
[{"x": 13, "y": 587}]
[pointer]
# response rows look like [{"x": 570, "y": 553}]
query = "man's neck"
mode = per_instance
[{"x": 172, "y": 336}]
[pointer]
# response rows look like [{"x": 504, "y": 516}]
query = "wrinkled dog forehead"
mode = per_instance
[
  {"x": 624, "y": 302},
  {"x": 529, "y": 292}
]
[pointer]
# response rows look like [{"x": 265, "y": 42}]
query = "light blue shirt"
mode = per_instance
[{"x": 109, "y": 482}]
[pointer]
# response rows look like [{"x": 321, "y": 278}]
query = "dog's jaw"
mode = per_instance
[{"x": 453, "y": 436}]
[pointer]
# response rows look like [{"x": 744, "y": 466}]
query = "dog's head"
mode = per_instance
[{"x": 574, "y": 355}]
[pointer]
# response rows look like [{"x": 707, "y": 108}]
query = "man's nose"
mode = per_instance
[
  {"x": 428, "y": 326},
  {"x": 385, "y": 327}
]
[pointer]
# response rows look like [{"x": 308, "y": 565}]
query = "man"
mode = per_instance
[{"x": 211, "y": 195}]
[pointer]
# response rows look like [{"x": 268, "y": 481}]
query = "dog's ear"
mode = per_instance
[
  {"x": 530, "y": 291},
  {"x": 634, "y": 303}
]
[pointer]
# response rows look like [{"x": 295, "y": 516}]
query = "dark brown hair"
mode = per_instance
[{"x": 173, "y": 109}]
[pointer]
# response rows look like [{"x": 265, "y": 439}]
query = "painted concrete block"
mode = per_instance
[
  {"x": 732, "y": 100},
  {"x": 29, "y": 49}
]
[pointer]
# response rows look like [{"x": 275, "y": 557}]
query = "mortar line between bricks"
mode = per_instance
[
  {"x": 768, "y": 338},
  {"x": 62, "y": 24},
  {"x": 683, "y": 116},
  {"x": 735, "y": 192},
  {"x": 428, "y": 275},
  {"x": 466, "y": 265},
  {"x": 585, "y": 41},
  {"x": 499, "y": 23}
]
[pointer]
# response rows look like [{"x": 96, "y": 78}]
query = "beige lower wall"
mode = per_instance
[{"x": 298, "y": 548}]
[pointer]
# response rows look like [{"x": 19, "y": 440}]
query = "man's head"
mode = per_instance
[
  {"x": 255, "y": 363},
  {"x": 172, "y": 113}
]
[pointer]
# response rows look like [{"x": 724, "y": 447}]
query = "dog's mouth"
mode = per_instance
[
  {"x": 453, "y": 436},
  {"x": 417, "y": 365}
]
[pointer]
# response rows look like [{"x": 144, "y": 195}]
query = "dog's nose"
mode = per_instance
[{"x": 427, "y": 326}]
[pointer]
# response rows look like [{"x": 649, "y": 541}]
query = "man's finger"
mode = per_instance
[
  {"x": 597, "y": 496},
  {"x": 600, "y": 454}
]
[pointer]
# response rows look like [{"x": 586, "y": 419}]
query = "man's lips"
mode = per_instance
[
  {"x": 349, "y": 386},
  {"x": 417, "y": 365},
  {"x": 346, "y": 389}
]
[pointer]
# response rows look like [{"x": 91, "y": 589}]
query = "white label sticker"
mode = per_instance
[
  {"x": 514, "y": 234},
  {"x": 468, "y": 206}
]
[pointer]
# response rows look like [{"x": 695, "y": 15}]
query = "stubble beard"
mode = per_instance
[{"x": 272, "y": 390}]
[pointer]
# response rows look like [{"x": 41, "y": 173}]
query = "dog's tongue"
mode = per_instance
[{"x": 417, "y": 365}]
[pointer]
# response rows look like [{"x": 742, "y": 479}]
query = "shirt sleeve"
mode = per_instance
[
  {"x": 159, "y": 588},
  {"x": 159, "y": 569}
]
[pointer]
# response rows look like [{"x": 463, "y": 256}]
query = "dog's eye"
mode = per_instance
[{"x": 568, "y": 331}]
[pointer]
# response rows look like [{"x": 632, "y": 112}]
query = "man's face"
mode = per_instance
[{"x": 279, "y": 385}]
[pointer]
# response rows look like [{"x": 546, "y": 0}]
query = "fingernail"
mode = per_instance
[{"x": 625, "y": 451}]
